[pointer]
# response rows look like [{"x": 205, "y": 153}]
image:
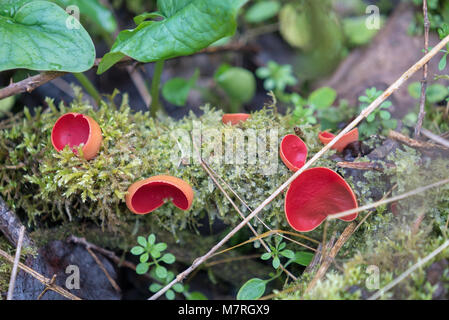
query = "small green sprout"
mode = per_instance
[
  {"x": 277, "y": 77},
  {"x": 148, "y": 248},
  {"x": 379, "y": 119}
]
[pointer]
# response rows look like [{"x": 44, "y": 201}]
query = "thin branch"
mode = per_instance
[
  {"x": 435, "y": 137},
  {"x": 12, "y": 281},
  {"x": 404, "y": 275},
  {"x": 365, "y": 165},
  {"x": 103, "y": 268},
  {"x": 367, "y": 111},
  {"x": 41, "y": 278},
  {"x": 414, "y": 143},
  {"x": 422, "y": 102},
  {"x": 29, "y": 84}
]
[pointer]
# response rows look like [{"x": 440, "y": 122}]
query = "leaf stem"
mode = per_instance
[
  {"x": 155, "y": 84},
  {"x": 88, "y": 85}
]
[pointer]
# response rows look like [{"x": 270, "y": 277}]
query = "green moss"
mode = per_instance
[
  {"x": 54, "y": 187},
  {"x": 5, "y": 268}
]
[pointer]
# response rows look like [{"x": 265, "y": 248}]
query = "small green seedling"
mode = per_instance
[
  {"x": 255, "y": 288},
  {"x": 380, "y": 120},
  {"x": 277, "y": 77}
]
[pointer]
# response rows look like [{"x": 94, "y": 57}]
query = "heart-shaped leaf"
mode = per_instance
[
  {"x": 39, "y": 35},
  {"x": 189, "y": 26}
]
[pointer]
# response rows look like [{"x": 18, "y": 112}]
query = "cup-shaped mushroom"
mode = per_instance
[
  {"x": 74, "y": 129},
  {"x": 352, "y": 136},
  {"x": 147, "y": 195},
  {"x": 234, "y": 118},
  {"x": 293, "y": 152},
  {"x": 315, "y": 194}
]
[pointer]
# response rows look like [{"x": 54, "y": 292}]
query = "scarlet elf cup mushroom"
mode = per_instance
[
  {"x": 352, "y": 136},
  {"x": 316, "y": 194},
  {"x": 234, "y": 118},
  {"x": 74, "y": 129},
  {"x": 147, "y": 195},
  {"x": 293, "y": 152}
]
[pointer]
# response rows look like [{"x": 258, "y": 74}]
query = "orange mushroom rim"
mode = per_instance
[
  {"x": 74, "y": 129},
  {"x": 234, "y": 118},
  {"x": 315, "y": 194},
  {"x": 147, "y": 195}
]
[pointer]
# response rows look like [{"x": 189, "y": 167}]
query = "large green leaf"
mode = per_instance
[
  {"x": 93, "y": 10},
  {"x": 189, "y": 26},
  {"x": 35, "y": 35}
]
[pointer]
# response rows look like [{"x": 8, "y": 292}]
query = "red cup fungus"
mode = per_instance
[
  {"x": 73, "y": 129},
  {"x": 147, "y": 195},
  {"x": 326, "y": 137},
  {"x": 293, "y": 152},
  {"x": 315, "y": 194},
  {"x": 234, "y": 118}
]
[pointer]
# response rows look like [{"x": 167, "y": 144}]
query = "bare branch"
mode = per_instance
[
  {"x": 422, "y": 102},
  {"x": 29, "y": 84}
]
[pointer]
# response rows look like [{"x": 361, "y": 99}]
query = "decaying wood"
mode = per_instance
[
  {"x": 10, "y": 226},
  {"x": 366, "y": 112},
  {"x": 44, "y": 280},
  {"x": 415, "y": 143},
  {"x": 332, "y": 254}
]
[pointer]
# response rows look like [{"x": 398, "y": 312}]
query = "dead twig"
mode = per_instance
[
  {"x": 415, "y": 143},
  {"x": 40, "y": 277},
  {"x": 12, "y": 280},
  {"x": 332, "y": 254},
  {"x": 434, "y": 137},
  {"x": 109, "y": 254},
  {"x": 29, "y": 84},
  {"x": 365, "y": 165},
  {"x": 47, "y": 287},
  {"x": 422, "y": 102},
  {"x": 102, "y": 267},
  {"x": 367, "y": 111}
]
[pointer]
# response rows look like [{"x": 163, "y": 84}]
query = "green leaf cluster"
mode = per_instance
[{"x": 379, "y": 121}]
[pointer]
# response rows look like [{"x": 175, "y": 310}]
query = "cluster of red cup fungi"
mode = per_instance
[
  {"x": 311, "y": 197},
  {"x": 144, "y": 196}
]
